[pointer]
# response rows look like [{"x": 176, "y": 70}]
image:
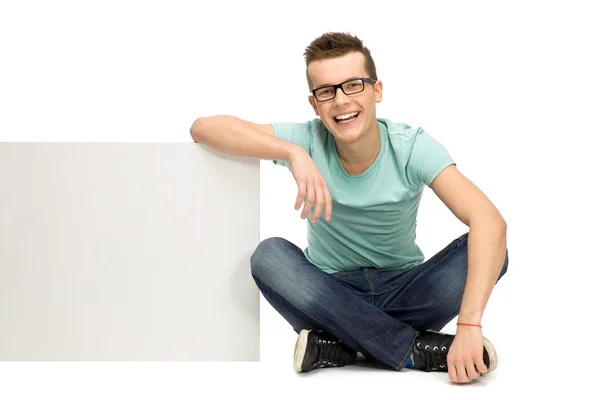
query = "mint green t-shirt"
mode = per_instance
[{"x": 373, "y": 221}]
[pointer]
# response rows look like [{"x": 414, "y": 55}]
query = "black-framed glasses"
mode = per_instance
[{"x": 349, "y": 87}]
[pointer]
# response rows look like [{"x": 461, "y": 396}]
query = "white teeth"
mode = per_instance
[{"x": 346, "y": 115}]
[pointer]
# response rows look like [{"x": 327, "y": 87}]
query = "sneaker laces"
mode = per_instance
[
  {"x": 433, "y": 359},
  {"x": 331, "y": 353}
]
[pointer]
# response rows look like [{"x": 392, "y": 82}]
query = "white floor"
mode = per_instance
[
  {"x": 264, "y": 379},
  {"x": 270, "y": 380},
  {"x": 530, "y": 369}
]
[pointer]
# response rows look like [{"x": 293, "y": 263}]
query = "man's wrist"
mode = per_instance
[
  {"x": 470, "y": 316},
  {"x": 465, "y": 325},
  {"x": 293, "y": 150}
]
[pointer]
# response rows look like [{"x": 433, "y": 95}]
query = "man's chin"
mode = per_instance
[{"x": 346, "y": 138}]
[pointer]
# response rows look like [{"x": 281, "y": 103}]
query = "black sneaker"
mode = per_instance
[
  {"x": 318, "y": 349},
  {"x": 431, "y": 349}
]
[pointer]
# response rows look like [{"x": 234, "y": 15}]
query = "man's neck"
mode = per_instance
[{"x": 357, "y": 157}]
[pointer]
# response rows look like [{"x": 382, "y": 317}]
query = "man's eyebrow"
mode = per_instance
[{"x": 331, "y": 84}]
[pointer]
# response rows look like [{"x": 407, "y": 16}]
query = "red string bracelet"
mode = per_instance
[{"x": 462, "y": 323}]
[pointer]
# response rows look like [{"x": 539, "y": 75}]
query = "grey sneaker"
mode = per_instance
[{"x": 318, "y": 349}]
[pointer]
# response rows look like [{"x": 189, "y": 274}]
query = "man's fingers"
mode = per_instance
[
  {"x": 314, "y": 192},
  {"x": 452, "y": 373},
  {"x": 471, "y": 372},
  {"x": 310, "y": 199},
  {"x": 301, "y": 195},
  {"x": 319, "y": 204},
  {"x": 461, "y": 373},
  {"x": 481, "y": 366},
  {"x": 327, "y": 202}
]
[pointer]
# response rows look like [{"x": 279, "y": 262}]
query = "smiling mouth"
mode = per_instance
[{"x": 346, "y": 118}]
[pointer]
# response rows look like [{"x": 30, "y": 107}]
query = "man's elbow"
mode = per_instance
[
  {"x": 502, "y": 224},
  {"x": 196, "y": 130}
]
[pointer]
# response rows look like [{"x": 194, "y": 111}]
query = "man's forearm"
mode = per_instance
[
  {"x": 486, "y": 256},
  {"x": 234, "y": 136}
]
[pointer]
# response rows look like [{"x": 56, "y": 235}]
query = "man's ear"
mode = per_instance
[
  {"x": 312, "y": 102},
  {"x": 378, "y": 91}
]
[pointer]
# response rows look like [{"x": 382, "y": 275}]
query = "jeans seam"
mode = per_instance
[
  {"x": 367, "y": 275},
  {"x": 353, "y": 291},
  {"x": 408, "y": 352}
]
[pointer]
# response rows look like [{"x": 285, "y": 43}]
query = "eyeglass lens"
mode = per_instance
[{"x": 328, "y": 92}]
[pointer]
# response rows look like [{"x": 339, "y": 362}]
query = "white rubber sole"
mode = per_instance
[
  {"x": 300, "y": 349},
  {"x": 492, "y": 353}
]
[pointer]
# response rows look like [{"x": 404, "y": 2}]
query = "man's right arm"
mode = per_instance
[{"x": 237, "y": 137}]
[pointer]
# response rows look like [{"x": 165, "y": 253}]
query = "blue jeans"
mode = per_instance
[{"x": 377, "y": 312}]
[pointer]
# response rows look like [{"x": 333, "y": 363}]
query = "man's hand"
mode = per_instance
[
  {"x": 465, "y": 356},
  {"x": 311, "y": 186}
]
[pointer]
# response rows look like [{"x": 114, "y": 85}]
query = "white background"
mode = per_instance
[{"x": 510, "y": 88}]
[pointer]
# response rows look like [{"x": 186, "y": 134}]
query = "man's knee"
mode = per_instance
[{"x": 266, "y": 254}]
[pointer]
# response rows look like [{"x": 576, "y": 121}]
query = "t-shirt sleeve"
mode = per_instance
[
  {"x": 427, "y": 159},
  {"x": 298, "y": 133}
]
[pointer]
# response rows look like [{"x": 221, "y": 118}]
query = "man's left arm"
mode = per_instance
[{"x": 486, "y": 256}]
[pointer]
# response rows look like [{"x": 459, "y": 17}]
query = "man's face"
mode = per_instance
[{"x": 337, "y": 70}]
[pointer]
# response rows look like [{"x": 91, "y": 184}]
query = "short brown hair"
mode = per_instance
[{"x": 337, "y": 44}]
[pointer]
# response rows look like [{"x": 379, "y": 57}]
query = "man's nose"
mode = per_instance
[{"x": 340, "y": 96}]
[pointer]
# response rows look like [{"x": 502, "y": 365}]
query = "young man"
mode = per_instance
[{"x": 362, "y": 284}]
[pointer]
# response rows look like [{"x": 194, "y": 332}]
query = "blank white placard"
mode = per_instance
[{"x": 127, "y": 251}]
